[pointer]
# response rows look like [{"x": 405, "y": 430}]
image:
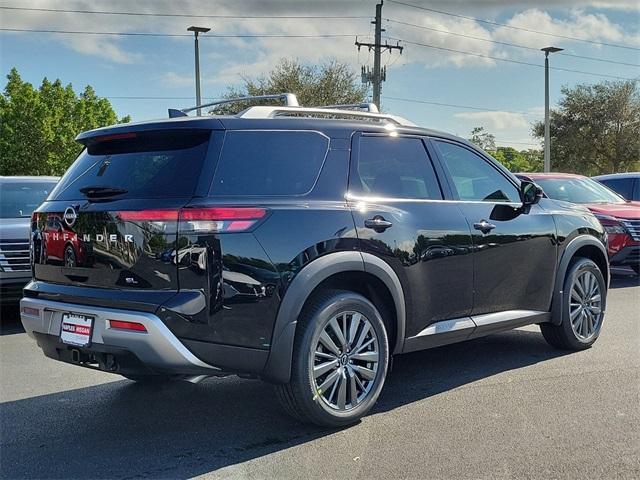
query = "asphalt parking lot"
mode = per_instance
[{"x": 506, "y": 406}]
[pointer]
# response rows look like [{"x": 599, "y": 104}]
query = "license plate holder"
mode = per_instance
[{"x": 76, "y": 329}]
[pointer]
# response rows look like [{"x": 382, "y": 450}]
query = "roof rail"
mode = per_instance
[
  {"x": 273, "y": 112},
  {"x": 367, "y": 107},
  {"x": 290, "y": 100}
]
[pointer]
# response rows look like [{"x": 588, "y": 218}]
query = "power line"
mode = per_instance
[
  {"x": 489, "y": 22},
  {"x": 148, "y": 34},
  {"x": 508, "y": 44},
  {"x": 453, "y": 105},
  {"x": 182, "y": 15},
  {"x": 518, "y": 62}
]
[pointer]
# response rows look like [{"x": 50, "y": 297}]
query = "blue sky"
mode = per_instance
[{"x": 506, "y": 97}]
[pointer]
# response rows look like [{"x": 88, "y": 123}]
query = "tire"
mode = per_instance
[
  {"x": 149, "y": 379},
  {"x": 581, "y": 331},
  {"x": 354, "y": 382}
]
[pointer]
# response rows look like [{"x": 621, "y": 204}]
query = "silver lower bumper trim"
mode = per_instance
[{"x": 157, "y": 347}]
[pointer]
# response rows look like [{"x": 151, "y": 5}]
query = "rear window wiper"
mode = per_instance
[{"x": 96, "y": 191}]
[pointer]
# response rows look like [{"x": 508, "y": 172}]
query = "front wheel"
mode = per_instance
[
  {"x": 584, "y": 300},
  {"x": 340, "y": 360}
]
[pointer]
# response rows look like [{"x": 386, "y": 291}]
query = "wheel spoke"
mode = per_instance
[
  {"x": 365, "y": 345},
  {"x": 330, "y": 356},
  {"x": 364, "y": 372},
  {"x": 338, "y": 332},
  {"x": 326, "y": 340},
  {"x": 323, "y": 368},
  {"x": 353, "y": 328},
  {"x": 370, "y": 357},
  {"x": 574, "y": 313},
  {"x": 362, "y": 336},
  {"x": 342, "y": 390},
  {"x": 578, "y": 323},
  {"x": 353, "y": 388},
  {"x": 575, "y": 295},
  {"x": 330, "y": 380},
  {"x": 579, "y": 288}
]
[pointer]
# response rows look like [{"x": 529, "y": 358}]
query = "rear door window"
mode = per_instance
[
  {"x": 138, "y": 165},
  {"x": 268, "y": 162},
  {"x": 394, "y": 167}
]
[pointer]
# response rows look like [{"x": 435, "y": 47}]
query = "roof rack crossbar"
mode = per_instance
[
  {"x": 367, "y": 107},
  {"x": 290, "y": 100}
]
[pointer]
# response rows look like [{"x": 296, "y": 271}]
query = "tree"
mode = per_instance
[
  {"x": 517, "y": 161},
  {"x": 330, "y": 83},
  {"x": 596, "y": 129},
  {"x": 38, "y": 126},
  {"x": 485, "y": 140}
]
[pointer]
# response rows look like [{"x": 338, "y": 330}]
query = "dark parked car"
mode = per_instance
[
  {"x": 311, "y": 246},
  {"x": 625, "y": 184},
  {"x": 620, "y": 217},
  {"x": 19, "y": 197}
]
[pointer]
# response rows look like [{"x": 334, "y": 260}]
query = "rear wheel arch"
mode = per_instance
[
  {"x": 584, "y": 246},
  {"x": 362, "y": 273}
]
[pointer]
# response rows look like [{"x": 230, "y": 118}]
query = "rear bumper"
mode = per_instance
[
  {"x": 629, "y": 255},
  {"x": 120, "y": 351}
]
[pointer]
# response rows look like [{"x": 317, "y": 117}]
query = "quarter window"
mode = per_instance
[
  {"x": 474, "y": 178},
  {"x": 394, "y": 167}
]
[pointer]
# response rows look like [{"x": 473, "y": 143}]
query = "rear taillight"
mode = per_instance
[{"x": 201, "y": 219}]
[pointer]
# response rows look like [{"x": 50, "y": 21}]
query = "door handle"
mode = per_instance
[
  {"x": 484, "y": 226},
  {"x": 378, "y": 223}
]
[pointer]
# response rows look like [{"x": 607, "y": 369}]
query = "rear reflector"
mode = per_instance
[
  {"x": 34, "y": 312},
  {"x": 122, "y": 325}
]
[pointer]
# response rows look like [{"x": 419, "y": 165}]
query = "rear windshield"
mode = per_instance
[
  {"x": 18, "y": 200},
  {"x": 269, "y": 162},
  {"x": 137, "y": 165}
]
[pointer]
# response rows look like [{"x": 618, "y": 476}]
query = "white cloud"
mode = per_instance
[{"x": 498, "y": 121}]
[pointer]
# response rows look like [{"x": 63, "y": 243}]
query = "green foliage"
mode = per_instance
[
  {"x": 327, "y": 84},
  {"x": 517, "y": 161},
  {"x": 38, "y": 126},
  {"x": 596, "y": 129}
]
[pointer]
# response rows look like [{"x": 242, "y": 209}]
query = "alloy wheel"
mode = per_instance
[
  {"x": 345, "y": 361},
  {"x": 585, "y": 305}
]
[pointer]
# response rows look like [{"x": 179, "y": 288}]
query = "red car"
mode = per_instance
[
  {"x": 62, "y": 244},
  {"x": 620, "y": 217}
]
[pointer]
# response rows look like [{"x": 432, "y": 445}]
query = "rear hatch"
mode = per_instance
[{"x": 112, "y": 220}]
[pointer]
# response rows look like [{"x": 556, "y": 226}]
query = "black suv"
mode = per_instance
[{"x": 301, "y": 246}]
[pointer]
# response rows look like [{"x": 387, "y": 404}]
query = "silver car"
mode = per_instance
[{"x": 19, "y": 197}]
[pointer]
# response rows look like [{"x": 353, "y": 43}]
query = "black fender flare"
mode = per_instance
[
  {"x": 278, "y": 366},
  {"x": 572, "y": 247}
]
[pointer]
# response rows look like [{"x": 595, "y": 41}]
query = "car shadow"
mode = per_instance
[
  {"x": 10, "y": 320},
  {"x": 623, "y": 278},
  {"x": 124, "y": 430}
]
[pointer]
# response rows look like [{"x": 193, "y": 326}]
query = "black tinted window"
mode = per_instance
[
  {"x": 269, "y": 163},
  {"x": 18, "y": 200},
  {"x": 474, "y": 178},
  {"x": 394, "y": 167},
  {"x": 623, "y": 186},
  {"x": 144, "y": 165}
]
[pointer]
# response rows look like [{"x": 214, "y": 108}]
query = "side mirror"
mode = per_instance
[{"x": 530, "y": 193}]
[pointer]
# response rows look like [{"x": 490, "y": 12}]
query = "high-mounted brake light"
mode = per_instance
[
  {"x": 122, "y": 325},
  {"x": 201, "y": 219},
  {"x": 115, "y": 136}
]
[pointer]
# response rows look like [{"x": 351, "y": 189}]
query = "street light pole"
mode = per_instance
[
  {"x": 547, "y": 133},
  {"x": 196, "y": 31}
]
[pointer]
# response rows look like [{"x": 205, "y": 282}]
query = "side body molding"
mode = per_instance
[
  {"x": 572, "y": 247},
  {"x": 278, "y": 367}
]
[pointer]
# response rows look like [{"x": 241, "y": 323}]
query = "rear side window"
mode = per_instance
[
  {"x": 394, "y": 167},
  {"x": 18, "y": 200},
  {"x": 623, "y": 186},
  {"x": 138, "y": 165},
  {"x": 257, "y": 162}
]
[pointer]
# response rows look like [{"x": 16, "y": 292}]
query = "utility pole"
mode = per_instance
[
  {"x": 196, "y": 31},
  {"x": 378, "y": 75},
  {"x": 547, "y": 132}
]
